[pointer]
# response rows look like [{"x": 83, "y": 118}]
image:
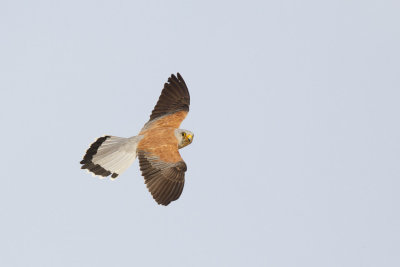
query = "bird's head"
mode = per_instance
[{"x": 184, "y": 137}]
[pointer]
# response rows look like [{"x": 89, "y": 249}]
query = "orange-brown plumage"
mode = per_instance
[
  {"x": 157, "y": 146},
  {"x": 173, "y": 120},
  {"x": 161, "y": 142},
  {"x": 159, "y": 137}
]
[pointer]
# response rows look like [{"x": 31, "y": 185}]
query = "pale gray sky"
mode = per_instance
[{"x": 295, "y": 108}]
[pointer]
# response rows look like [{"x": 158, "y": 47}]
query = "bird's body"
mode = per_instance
[{"x": 156, "y": 146}]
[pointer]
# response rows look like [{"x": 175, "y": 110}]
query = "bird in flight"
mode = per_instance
[{"x": 156, "y": 146}]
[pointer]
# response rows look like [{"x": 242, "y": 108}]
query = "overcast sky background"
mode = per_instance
[{"x": 295, "y": 109}]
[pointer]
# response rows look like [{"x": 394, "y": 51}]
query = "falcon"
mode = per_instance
[{"x": 157, "y": 146}]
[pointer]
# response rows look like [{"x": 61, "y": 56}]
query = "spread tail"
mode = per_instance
[{"x": 110, "y": 155}]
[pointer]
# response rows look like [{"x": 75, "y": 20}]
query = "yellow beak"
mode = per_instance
[{"x": 189, "y": 137}]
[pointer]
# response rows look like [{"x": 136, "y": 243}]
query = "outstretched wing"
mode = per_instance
[
  {"x": 174, "y": 97},
  {"x": 160, "y": 162},
  {"x": 165, "y": 180}
]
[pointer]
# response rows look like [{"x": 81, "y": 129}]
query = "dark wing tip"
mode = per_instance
[
  {"x": 174, "y": 97},
  {"x": 164, "y": 180},
  {"x": 180, "y": 78}
]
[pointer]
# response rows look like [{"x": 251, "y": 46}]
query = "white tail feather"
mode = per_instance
[{"x": 110, "y": 155}]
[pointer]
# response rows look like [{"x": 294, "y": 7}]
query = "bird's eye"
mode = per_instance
[{"x": 183, "y": 134}]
